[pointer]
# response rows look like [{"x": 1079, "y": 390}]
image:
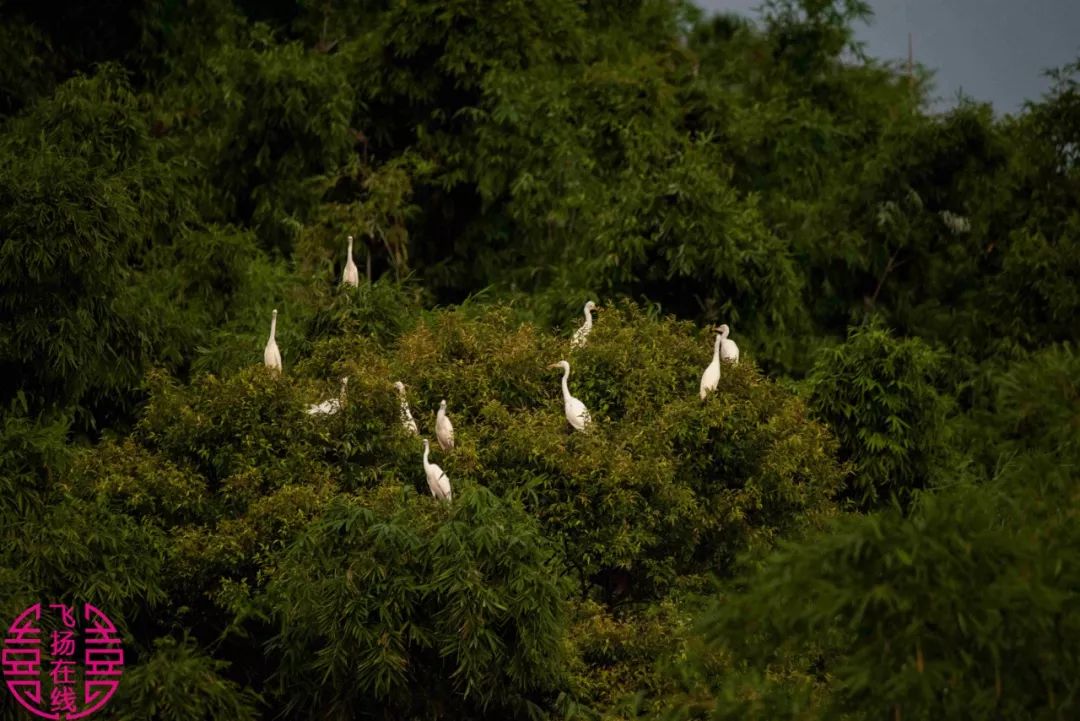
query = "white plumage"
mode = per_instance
[
  {"x": 437, "y": 480},
  {"x": 444, "y": 429},
  {"x": 582, "y": 333},
  {"x": 729, "y": 352},
  {"x": 272, "y": 356},
  {"x": 406, "y": 415},
  {"x": 329, "y": 407},
  {"x": 723, "y": 350},
  {"x": 351, "y": 276},
  {"x": 576, "y": 412},
  {"x": 711, "y": 376}
]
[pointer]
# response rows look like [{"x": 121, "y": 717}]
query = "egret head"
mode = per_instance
[
  {"x": 344, "y": 381},
  {"x": 425, "y": 444},
  {"x": 722, "y": 329},
  {"x": 590, "y": 307},
  {"x": 400, "y": 386},
  {"x": 561, "y": 364},
  {"x": 442, "y": 404},
  {"x": 274, "y": 314}
]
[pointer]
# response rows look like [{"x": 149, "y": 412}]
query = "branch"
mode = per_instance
[{"x": 889, "y": 267}]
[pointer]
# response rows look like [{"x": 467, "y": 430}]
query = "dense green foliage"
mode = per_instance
[
  {"x": 964, "y": 608},
  {"x": 878, "y": 394},
  {"x": 872, "y": 517}
]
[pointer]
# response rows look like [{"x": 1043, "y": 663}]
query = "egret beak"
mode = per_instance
[{"x": 553, "y": 365}]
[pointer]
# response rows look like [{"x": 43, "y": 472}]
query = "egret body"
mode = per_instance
[
  {"x": 582, "y": 333},
  {"x": 437, "y": 480},
  {"x": 729, "y": 352},
  {"x": 406, "y": 415},
  {"x": 272, "y": 356},
  {"x": 711, "y": 376},
  {"x": 444, "y": 429},
  {"x": 332, "y": 406},
  {"x": 576, "y": 412},
  {"x": 351, "y": 276},
  {"x": 724, "y": 350}
]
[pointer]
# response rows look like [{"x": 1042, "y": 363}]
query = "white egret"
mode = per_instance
[
  {"x": 437, "y": 480},
  {"x": 729, "y": 352},
  {"x": 576, "y": 412},
  {"x": 444, "y": 429},
  {"x": 351, "y": 276},
  {"x": 272, "y": 356},
  {"x": 406, "y": 415},
  {"x": 331, "y": 406},
  {"x": 582, "y": 333},
  {"x": 724, "y": 350},
  {"x": 711, "y": 376}
]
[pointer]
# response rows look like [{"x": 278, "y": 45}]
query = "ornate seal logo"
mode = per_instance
[{"x": 49, "y": 688}]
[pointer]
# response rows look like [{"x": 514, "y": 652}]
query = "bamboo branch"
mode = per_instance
[{"x": 889, "y": 268}]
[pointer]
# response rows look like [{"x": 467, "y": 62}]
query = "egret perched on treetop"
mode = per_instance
[
  {"x": 444, "y": 429},
  {"x": 576, "y": 412},
  {"x": 351, "y": 276},
  {"x": 437, "y": 480},
  {"x": 272, "y": 356},
  {"x": 725, "y": 350},
  {"x": 331, "y": 406},
  {"x": 582, "y": 333},
  {"x": 711, "y": 376},
  {"x": 406, "y": 416},
  {"x": 729, "y": 352}
]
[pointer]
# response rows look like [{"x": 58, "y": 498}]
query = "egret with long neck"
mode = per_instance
[
  {"x": 576, "y": 412},
  {"x": 724, "y": 350},
  {"x": 583, "y": 332},
  {"x": 444, "y": 429},
  {"x": 332, "y": 406},
  {"x": 271, "y": 355},
  {"x": 406, "y": 415},
  {"x": 437, "y": 480},
  {"x": 351, "y": 276},
  {"x": 711, "y": 376}
]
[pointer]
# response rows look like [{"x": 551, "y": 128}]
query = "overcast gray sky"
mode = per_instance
[{"x": 993, "y": 50}]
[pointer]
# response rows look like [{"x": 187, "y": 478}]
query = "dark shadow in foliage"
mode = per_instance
[
  {"x": 962, "y": 608},
  {"x": 877, "y": 394},
  {"x": 178, "y": 680},
  {"x": 105, "y": 267}
]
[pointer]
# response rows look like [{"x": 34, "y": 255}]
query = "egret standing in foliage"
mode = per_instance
[
  {"x": 576, "y": 412},
  {"x": 444, "y": 429},
  {"x": 272, "y": 356},
  {"x": 406, "y": 415},
  {"x": 437, "y": 480},
  {"x": 711, "y": 376},
  {"x": 331, "y": 406},
  {"x": 729, "y": 352},
  {"x": 583, "y": 332},
  {"x": 351, "y": 276},
  {"x": 724, "y": 350}
]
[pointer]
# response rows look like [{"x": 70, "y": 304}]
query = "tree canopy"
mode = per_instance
[{"x": 873, "y": 516}]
